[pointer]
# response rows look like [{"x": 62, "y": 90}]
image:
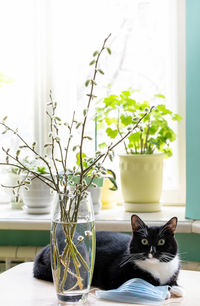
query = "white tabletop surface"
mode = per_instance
[{"x": 19, "y": 288}]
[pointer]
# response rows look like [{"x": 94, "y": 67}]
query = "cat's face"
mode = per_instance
[{"x": 153, "y": 244}]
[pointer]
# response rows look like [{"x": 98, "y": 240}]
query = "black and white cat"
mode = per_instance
[{"x": 151, "y": 254}]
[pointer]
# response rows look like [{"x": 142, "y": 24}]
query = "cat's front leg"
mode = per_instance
[{"x": 175, "y": 290}]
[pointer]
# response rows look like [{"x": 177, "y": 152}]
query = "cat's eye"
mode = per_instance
[
  {"x": 144, "y": 241},
  {"x": 161, "y": 242}
]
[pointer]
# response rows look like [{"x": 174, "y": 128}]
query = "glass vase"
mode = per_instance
[{"x": 72, "y": 247}]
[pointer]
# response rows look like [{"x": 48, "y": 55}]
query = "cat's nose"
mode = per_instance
[{"x": 152, "y": 252}]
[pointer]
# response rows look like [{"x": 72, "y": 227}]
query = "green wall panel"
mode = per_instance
[
  {"x": 24, "y": 238},
  {"x": 193, "y": 109},
  {"x": 189, "y": 244}
]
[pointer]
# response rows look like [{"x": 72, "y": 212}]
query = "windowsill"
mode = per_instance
[{"x": 111, "y": 219}]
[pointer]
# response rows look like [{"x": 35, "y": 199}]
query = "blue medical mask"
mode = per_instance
[{"x": 136, "y": 290}]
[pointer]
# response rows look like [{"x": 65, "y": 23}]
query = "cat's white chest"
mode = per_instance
[{"x": 160, "y": 270}]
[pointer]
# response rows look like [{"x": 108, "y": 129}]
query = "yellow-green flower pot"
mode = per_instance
[
  {"x": 141, "y": 181},
  {"x": 108, "y": 197}
]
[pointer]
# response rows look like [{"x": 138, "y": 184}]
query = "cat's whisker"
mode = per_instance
[
  {"x": 125, "y": 262},
  {"x": 131, "y": 258},
  {"x": 166, "y": 257}
]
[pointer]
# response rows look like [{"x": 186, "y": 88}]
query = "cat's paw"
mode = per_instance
[
  {"x": 177, "y": 291},
  {"x": 168, "y": 295}
]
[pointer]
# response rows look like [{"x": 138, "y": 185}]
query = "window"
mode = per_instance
[{"x": 50, "y": 46}]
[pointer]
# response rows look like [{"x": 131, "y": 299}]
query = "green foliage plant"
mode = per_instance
[{"x": 154, "y": 134}]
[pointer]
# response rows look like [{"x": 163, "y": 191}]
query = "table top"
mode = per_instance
[{"x": 19, "y": 287}]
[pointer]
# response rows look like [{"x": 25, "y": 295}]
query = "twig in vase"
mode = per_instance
[{"x": 89, "y": 101}]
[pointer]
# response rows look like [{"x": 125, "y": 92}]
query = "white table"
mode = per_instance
[{"x": 19, "y": 288}]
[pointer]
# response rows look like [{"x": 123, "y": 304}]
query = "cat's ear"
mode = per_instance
[
  {"x": 137, "y": 223},
  {"x": 171, "y": 224}
]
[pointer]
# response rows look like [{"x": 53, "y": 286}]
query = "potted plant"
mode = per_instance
[
  {"x": 11, "y": 178},
  {"x": 72, "y": 224},
  {"x": 141, "y": 167},
  {"x": 37, "y": 196}
]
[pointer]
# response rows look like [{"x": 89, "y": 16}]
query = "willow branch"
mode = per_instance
[
  {"x": 89, "y": 101},
  {"x": 69, "y": 139},
  {"x": 30, "y": 148},
  {"x": 24, "y": 168},
  {"x": 19, "y": 185},
  {"x": 52, "y": 139}
]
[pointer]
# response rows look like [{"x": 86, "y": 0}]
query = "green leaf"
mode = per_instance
[
  {"x": 156, "y": 142},
  {"x": 47, "y": 145},
  {"x": 4, "y": 119},
  {"x": 126, "y": 120},
  {"x": 153, "y": 129},
  {"x": 17, "y": 153},
  {"x": 87, "y": 83},
  {"x": 177, "y": 117},
  {"x": 125, "y": 94},
  {"x": 109, "y": 51},
  {"x": 111, "y": 133},
  {"x": 163, "y": 109},
  {"x": 160, "y": 96},
  {"x": 101, "y": 71},
  {"x": 102, "y": 145},
  {"x": 88, "y": 137},
  {"x": 110, "y": 121},
  {"x": 111, "y": 101},
  {"x": 92, "y": 62},
  {"x": 109, "y": 171},
  {"x": 41, "y": 170},
  {"x": 85, "y": 111},
  {"x": 114, "y": 187},
  {"x": 135, "y": 137},
  {"x": 167, "y": 134},
  {"x": 78, "y": 159},
  {"x": 168, "y": 152},
  {"x": 95, "y": 53},
  {"x": 78, "y": 125}
]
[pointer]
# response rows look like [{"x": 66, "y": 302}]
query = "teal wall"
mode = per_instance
[{"x": 193, "y": 109}]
